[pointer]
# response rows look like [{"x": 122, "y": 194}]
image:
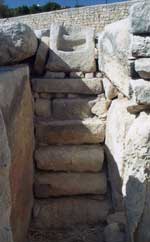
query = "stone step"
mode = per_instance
[
  {"x": 75, "y": 158},
  {"x": 89, "y": 131},
  {"x": 66, "y": 184},
  {"x": 67, "y": 212},
  {"x": 91, "y": 86},
  {"x": 76, "y": 108}
]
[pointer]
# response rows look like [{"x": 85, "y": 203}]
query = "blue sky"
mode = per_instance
[{"x": 16, "y": 3}]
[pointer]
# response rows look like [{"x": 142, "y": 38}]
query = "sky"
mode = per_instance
[{"x": 16, "y": 3}]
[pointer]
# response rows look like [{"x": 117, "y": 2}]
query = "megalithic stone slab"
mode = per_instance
[
  {"x": 65, "y": 212},
  {"x": 68, "y": 85},
  {"x": 89, "y": 131},
  {"x": 67, "y": 184},
  {"x": 76, "y": 158},
  {"x": 72, "y": 49}
]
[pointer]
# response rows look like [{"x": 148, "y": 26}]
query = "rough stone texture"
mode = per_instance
[
  {"x": 43, "y": 108},
  {"x": 140, "y": 91},
  {"x": 142, "y": 67},
  {"x": 42, "y": 32},
  {"x": 53, "y": 75},
  {"x": 72, "y": 49},
  {"x": 110, "y": 90},
  {"x": 17, "y": 42},
  {"x": 117, "y": 125},
  {"x": 16, "y": 103},
  {"x": 67, "y": 212},
  {"x": 77, "y": 74},
  {"x": 67, "y": 184},
  {"x": 78, "y": 85},
  {"x": 118, "y": 218},
  {"x": 137, "y": 108},
  {"x": 113, "y": 54},
  {"x": 112, "y": 233},
  {"x": 140, "y": 18},
  {"x": 101, "y": 107},
  {"x": 41, "y": 56},
  {"x": 140, "y": 46},
  {"x": 136, "y": 178},
  {"x": 85, "y": 158},
  {"x": 89, "y": 131},
  {"x": 5, "y": 196},
  {"x": 76, "y": 108}
]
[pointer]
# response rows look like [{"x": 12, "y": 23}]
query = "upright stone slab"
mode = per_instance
[
  {"x": 113, "y": 54},
  {"x": 72, "y": 49}
]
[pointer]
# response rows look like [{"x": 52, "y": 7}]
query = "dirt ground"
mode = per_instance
[{"x": 76, "y": 234}]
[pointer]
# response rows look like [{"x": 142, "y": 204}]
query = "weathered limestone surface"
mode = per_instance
[
  {"x": 77, "y": 85},
  {"x": 43, "y": 107},
  {"x": 16, "y": 104},
  {"x": 101, "y": 107},
  {"x": 140, "y": 46},
  {"x": 5, "y": 196},
  {"x": 141, "y": 90},
  {"x": 67, "y": 184},
  {"x": 142, "y": 67},
  {"x": 17, "y": 43},
  {"x": 85, "y": 158},
  {"x": 136, "y": 178},
  {"x": 110, "y": 90},
  {"x": 140, "y": 18},
  {"x": 117, "y": 125},
  {"x": 78, "y": 108},
  {"x": 113, "y": 54},
  {"x": 72, "y": 49},
  {"x": 112, "y": 233},
  {"x": 65, "y": 212},
  {"x": 89, "y": 131}
]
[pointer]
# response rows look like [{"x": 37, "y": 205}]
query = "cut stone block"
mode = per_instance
[
  {"x": 142, "y": 67},
  {"x": 140, "y": 18},
  {"x": 140, "y": 46},
  {"x": 43, "y": 107},
  {"x": 89, "y": 75},
  {"x": 77, "y": 108},
  {"x": 67, "y": 184},
  {"x": 77, "y": 86},
  {"x": 66, "y": 212},
  {"x": 41, "y": 55},
  {"x": 141, "y": 91},
  {"x": 89, "y": 131},
  {"x": 71, "y": 158},
  {"x": 72, "y": 49}
]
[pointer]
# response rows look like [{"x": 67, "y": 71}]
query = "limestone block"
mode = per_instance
[
  {"x": 43, "y": 108},
  {"x": 17, "y": 43},
  {"x": 76, "y": 108},
  {"x": 110, "y": 90},
  {"x": 140, "y": 18},
  {"x": 136, "y": 188},
  {"x": 73, "y": 158},
  {"x": 72, "y": 49},
  {"x": 67, "y": 184},
  {"x": 41, "y": 56},
  {"x": 65, "y": 212},
  {"x": 141, "y": 91},
  {"x": 142, "y": 67},
  {"x": 89, "y": 131},
  {"x": 89, "y": 75},
  {"x": 117, "y": 125},
  {"x": 113, "y": 54},
  {"x": 76, "y": 86},
  {"x": 112, "y": 233},
  {"x": 101, "y": 107},
  {"x": 53, "y": 75},
  {"x": 140, "y": 46}
]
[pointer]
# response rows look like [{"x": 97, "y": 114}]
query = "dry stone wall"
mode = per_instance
[{"x": 94, "y": 16}]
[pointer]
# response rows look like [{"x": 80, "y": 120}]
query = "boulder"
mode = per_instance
[
  {"x": 142, "y": 67},
  {"x": 113, "y": 54},
  {"x": 110, "y": 90},
  {"x": 101, "y": 107},
  {"x": 75, "y": 158},
  {"x": 136, "y": 186},
  {"x": 67, "y": 184},
  {"x": 140, "y": 18},
  {"x": 117, "y": 125},
  {"x": 72, "y": 49},
  {"x": 17, "y": 43},
  {"x": 68, "y": 212}
]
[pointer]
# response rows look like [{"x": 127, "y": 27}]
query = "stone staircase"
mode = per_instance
[{"x": 70, "y": 185}]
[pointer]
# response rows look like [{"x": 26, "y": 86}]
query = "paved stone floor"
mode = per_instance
[{"x": 77, "y": 234}]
